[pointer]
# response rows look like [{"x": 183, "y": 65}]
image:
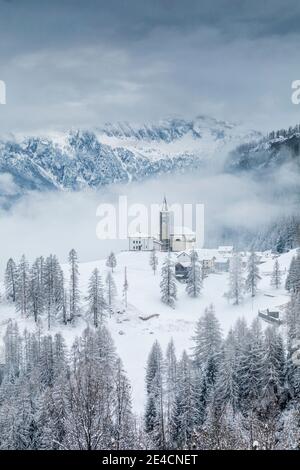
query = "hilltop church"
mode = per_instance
[{"x": 170, "y": 238}]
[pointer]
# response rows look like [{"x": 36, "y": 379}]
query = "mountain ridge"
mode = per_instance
[{"x": 116, "y": 153}]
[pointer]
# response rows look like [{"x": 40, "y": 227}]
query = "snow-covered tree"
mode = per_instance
[
  {"x": 276, "y": 275},
  {"x": 53, "y": 289},
  {"x": 10, "y": 280},
  {"x": 250, "y": 367},
  {"x": 154, "y": 413},
  {"x": 124, "y": 423},
  {"x": 227, "y": 388},
  {"x": 293, "y": 342},
  {"x": 111, "y": 289},
  {"x": 37, "y": 289},
  {"x": 236, "y": 281},
  {"x": 289, "y": 437},
  {"x": 292, "y": 283},
  {"x": 153, "y": 261},
  {"x": 111, "y": 261},
  {"x": 168, "y": 287},
  {"x": 184, "y": 412},
  {"x": 170, "y": 387},
  {"x": 273, "y": 374},
  {"x": 252, "y": 274},
  {"x": 23, "y": 287},
  {"x": 74, "y": 285},
  {"x": 194, "y": 279},
  {"x": 96, "y": 303},
  {"x": 207, "y": 339},
  {"x": 125, "y": 287}
]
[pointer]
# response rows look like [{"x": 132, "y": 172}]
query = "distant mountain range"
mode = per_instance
[
  {"x": 117, "y": 153},
  {"x": 267, "y": 153},
  {"x": 122, "y": 152}
]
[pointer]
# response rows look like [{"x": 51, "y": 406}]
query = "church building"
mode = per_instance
[
  {"x": 174, "y": 238},
  {"x": 170, "y": 238}
]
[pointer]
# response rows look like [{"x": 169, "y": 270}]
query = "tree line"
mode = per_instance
[{"x": 40, "y": 291}]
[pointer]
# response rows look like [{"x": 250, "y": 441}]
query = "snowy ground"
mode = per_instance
[{"x": 134, "y": 337}]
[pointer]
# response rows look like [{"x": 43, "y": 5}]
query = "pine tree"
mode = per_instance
[
  {"x": 125, "y": 287},
  {"x": 289, "y": 438},
  {"x": 251, "y": 366},
  {"x": 74, "y": 285},
  {"x": 95, "y": 298},
  {"x": 293, "y": 342},
  {"x": 111, "y": 261},
  {"x": 227, "y": 388},
  {"x": 293, "y": 278},
  {"x": 154, "y": 414},
  {"x": 253, "y": 274},
  {"x": 37, "y": 285},
  {"x": 276, "y": 275},
  {"x": 273, "y": 375},
  {"x": 171, "y": 388},
  {"x": 54, "y": 289},
  {"x": 23, "y": 287},
  {"x": 111, "y": 289},
  {"x": 10, "y": 280},
  {"x": 184, "y": 412},
  {"x": 168, "y": 286},
  {"x": 123, "y": 428},
  {"x": 236, "y": 281},
  {"x": 153, "y": 261},
  {"x": 207, "y": 339},
  {"x": 194, "y": 279}
]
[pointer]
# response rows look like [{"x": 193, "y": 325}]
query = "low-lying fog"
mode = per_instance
[{"x": 43, "y": 223}]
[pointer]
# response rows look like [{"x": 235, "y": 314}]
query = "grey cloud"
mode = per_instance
[{"x": 80, "y": 63}]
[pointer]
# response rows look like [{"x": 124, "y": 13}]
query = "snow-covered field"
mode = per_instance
[{"x": 134, "y": 337}]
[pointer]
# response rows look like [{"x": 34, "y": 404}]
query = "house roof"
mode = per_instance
[
  {"x": 222, "y": 260},
  {"x": 184, "y": 253},
  {"x": 225, "y": 248},
  {"x": 139, "y": 235}
]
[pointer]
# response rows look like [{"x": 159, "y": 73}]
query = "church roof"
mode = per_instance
[
  {"x": 164, "y": 205},
  {"x": 182, "y": 231},
  {"x": 139, "y": 235}
]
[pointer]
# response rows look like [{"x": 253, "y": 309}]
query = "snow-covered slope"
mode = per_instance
[
  {"x": 116, "y": 153},
  {"x": 134, "y": 337},
  {"x": 202, "y": 137},
  {"x": 268, "y": 153}
]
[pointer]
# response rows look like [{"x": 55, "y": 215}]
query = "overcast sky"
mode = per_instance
[{"x": 80, "y": 63}]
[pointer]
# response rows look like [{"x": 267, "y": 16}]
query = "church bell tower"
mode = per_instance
[{"x": 165, "y": 226}]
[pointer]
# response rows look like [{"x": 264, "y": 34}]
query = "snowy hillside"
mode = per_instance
[
  {"x": 116, "y": 153},
  {"x": 268, "y": 153},
  {"x": 202, "y": 137},
  {"x": 134, "y": 336}
]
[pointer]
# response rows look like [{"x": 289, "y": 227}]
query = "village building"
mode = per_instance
[
  {"x": 222, "y": 264},
  {"x": 182, "y": 238},
  {"x": 143, "y": 242},
  {"x": 226, "y": 251},
  {"x": 174, "y": 238},
  {"x": 170, "y": 238}
]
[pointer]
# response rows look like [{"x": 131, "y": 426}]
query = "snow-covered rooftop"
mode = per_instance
[
  {"x": 139, "y": 235},
  {"x": 221, "y": 259},
  {"x": 225, "y": 248},
  {"x": 182, "y": 231}
]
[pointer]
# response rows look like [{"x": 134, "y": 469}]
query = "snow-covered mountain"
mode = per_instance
[
  {"x": 117, "y": 153},
  {"x": 267, "y": 153}
]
